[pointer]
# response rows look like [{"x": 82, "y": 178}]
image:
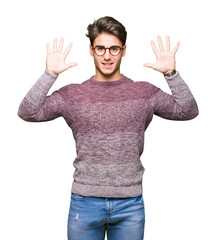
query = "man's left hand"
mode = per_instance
[{"x": 165, "y": 59}]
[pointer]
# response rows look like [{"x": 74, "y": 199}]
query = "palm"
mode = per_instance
[
  {"x": 56, "y": 59},
  {"x": 55, "y": 62},
  {"x": 165, "y": 59}
]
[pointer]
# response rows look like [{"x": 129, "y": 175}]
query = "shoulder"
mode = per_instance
[
  {"x": 68, "y": 88},
  {"x": 74, "y": 87},
  {"x": 72, "y": 90},
  {"x": 144, "y": 88}
]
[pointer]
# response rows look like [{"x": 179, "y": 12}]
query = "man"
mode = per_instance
[{"x": 108, "y": 115}]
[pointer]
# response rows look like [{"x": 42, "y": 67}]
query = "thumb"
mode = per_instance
[
  {"x": 149, "y": 65},
  {"x": 69, "y": 65}
]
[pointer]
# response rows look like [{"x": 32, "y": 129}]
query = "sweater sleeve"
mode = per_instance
[
  {"x": 37, "y": 106},
  {"x": 181, "y": 105}
]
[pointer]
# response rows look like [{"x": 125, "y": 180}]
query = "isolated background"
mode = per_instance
[{"x": 36, "y": 170}]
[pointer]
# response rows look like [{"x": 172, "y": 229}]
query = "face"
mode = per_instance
[{"x": 107, "y": 66}]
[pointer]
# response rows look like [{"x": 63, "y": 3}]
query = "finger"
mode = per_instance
[
  {"x": 72, "y": 64},
  {"x": 55, "y": 45},
  {"x": 48, "y": 48},
  {"x": 167, "y": 43},
  {"x": 61, "y": 44},
  {"x": 149, "y": 65},
  {"x": 176, "y": 47},
  {"x": 154, "y": 48},
  {"x": 67, "y": 50},
  {"x": 160, "y": 44}
]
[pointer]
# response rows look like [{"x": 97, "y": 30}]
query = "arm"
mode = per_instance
[
  {"x": 181, "y": 105},
  {"x": 37, "y": 106}
]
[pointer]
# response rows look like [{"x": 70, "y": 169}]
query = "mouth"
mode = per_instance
[{"x": 107, "y": 64}]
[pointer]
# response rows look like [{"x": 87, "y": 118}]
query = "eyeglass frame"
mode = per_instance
[{"x": 121, "y": 48}]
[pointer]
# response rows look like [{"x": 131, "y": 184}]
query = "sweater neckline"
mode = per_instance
[{"x": 109, "y": 83}]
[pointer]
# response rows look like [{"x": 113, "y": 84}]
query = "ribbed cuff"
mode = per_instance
[{"x": 51, "y": 74}]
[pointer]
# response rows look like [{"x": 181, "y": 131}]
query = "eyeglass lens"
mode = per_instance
[{"x": 114, "y": 50}]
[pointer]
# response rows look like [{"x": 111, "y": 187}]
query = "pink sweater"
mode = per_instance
[{"x": 108, "y": 121}]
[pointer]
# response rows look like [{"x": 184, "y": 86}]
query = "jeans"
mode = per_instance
[{"x": 90, "y": 217}]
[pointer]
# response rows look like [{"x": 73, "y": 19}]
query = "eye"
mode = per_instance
[
  {"x": 114, "y": 49},
  {"x": 100, "y": 48}
]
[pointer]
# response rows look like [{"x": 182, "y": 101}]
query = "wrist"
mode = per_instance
[
  {"x": 51, "y": 73},
  {"x": 170, "y": 73}
]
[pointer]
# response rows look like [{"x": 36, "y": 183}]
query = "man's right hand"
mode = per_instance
[{"x": 55, "y": 62}]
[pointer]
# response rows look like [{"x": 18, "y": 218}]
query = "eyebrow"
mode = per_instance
[{"x": 107, "y": 47}]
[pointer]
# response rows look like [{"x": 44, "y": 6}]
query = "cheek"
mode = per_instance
[
  {"x": 96, "y": 61},
  {"x": 118, "y": 61}
]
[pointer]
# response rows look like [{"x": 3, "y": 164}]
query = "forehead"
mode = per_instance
[{"x": 107, "y": 40}]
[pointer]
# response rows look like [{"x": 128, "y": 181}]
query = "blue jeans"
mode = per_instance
[{"x": 90, "y": 217}]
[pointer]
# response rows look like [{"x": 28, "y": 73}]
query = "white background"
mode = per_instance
[{"x": 36, "y": 170}]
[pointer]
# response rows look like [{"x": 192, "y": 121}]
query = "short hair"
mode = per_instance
[{"x": 106, "y": 25}]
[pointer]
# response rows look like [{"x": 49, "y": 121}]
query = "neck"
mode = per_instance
[{"x": 107, "y": 78}]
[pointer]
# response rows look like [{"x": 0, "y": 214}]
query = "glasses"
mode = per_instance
[{"x": 113, "y": 50}]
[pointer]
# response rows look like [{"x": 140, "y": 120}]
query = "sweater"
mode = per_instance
[{"x": 108, "y": 121}]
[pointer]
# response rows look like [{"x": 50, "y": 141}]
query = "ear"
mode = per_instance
[
  {"x": 90, "y": 49},
  {"x": 124, "y": 51}
]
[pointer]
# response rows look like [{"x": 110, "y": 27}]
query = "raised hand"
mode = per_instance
[
  {"x": 165, "y": 59},
  {"x": 55, "y": 62}
]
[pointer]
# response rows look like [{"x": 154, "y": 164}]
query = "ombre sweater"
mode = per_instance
[{"x": 108, "y": 121}]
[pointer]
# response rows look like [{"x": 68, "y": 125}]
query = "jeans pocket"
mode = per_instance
[{"x": 76, "y": 196}]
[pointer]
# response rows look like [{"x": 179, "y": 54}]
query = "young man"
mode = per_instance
[{"x": 108, "y": 115}]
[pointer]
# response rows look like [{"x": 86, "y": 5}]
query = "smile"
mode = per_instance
[{"x": 107, "y": 64}]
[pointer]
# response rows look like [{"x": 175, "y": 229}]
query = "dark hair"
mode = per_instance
[{"x": 106, "y": 25}]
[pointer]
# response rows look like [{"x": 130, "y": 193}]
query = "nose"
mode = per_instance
[{"x": 107, "y": 54}]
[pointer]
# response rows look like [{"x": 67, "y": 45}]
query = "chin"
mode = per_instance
[{"x": 107, "y": 73}]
